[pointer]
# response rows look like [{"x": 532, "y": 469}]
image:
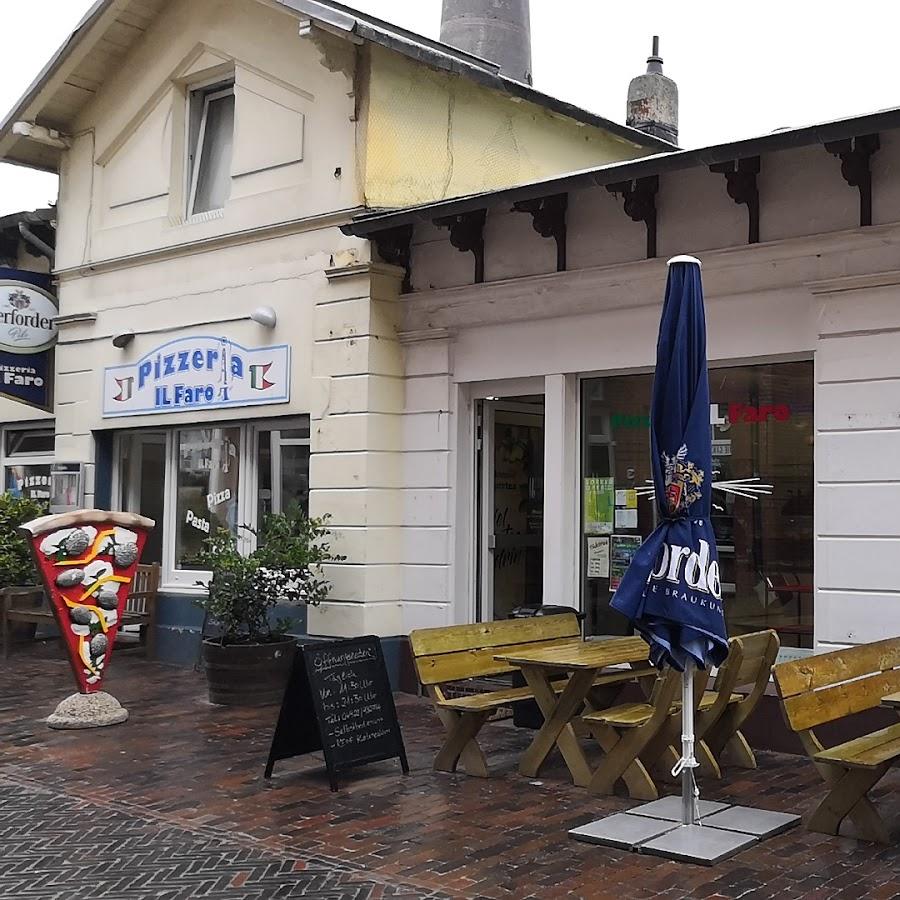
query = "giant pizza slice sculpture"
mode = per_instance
[{"x": 87, "y": 561}]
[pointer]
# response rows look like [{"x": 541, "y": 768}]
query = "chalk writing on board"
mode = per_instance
[{"x": 339, "y": 700}]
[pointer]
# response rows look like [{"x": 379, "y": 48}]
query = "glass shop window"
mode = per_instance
[
  {"x": 31, "y": 481},
  {"x": 283, "y": 475},
  {"x": 29, "y": 442},
  {"x": 207, "y": 481},
  {"x": 142, "y": 476},
  {"x": 27, "y": 457},
  {"x": 761, "y": 420}
]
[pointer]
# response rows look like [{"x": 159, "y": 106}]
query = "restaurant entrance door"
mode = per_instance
[{"x": 511, "y": 504}]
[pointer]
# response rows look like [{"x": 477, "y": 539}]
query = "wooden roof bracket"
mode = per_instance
[
  {"x": 740, "y": 177},
  {"x": 467, "y": 235},
  {"x": 856, "y": 154},
  {"x": 639, "y": 195},
  {"x": 548, "y": 218},
  {"x": 394, "y": 247}
]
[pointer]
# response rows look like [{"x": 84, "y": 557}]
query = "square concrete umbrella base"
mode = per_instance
[
  {"x": 670, "y": 808},
  {"x": 698, "y": 844},
  {"x": 655, "y": 828}
]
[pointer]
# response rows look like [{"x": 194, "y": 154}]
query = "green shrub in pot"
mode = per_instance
[
  {"x": 250, "y": 662},
  {"x": 17, "y": 571},
  {"x": 16, "y": 565}
]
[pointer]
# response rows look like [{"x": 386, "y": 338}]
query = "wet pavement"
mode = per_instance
[{"x": 173, "y": 804}]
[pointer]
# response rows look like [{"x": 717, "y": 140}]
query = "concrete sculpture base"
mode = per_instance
[{"x": 88, "y": 711}]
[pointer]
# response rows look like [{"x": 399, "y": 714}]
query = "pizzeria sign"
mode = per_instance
[{"x": 197, "y": 373}]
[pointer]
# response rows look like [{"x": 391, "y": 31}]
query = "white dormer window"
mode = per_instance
[{"x": 210, "y": 146}]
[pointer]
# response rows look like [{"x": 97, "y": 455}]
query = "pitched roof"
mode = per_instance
[{"x": 110, "y": 29}]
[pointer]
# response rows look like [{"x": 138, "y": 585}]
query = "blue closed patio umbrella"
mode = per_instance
[{"x": 672, "y": 590}]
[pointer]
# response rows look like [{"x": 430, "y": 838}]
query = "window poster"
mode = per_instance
[
  {"x": 621, "y": 552},
  {"x": 626, "y": 518},
  {"x": 599, "y": 505},
  {"x": 31, "y": 481},
  {"x": 598, "y": 557}
]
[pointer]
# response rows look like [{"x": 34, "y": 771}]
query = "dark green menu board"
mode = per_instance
[{"x": 339, "y": 700}]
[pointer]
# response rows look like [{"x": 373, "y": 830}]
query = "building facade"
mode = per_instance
[
  {"x": 529, "y": 367},
  {"x": 225, "y": 349}
]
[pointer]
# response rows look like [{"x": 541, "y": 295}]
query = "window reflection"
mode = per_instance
[{"x": 761, "y": 426}]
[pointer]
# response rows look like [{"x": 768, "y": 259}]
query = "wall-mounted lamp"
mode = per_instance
[
  {"x": 265, "y": 316},
  {"x": 123, "y": 338}
]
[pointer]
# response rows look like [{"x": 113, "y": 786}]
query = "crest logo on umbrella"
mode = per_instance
[{"x": 683, "y": 480}]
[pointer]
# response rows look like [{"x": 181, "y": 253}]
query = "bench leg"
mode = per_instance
[
  {"x": 727, "y": 743},
  {"x": 847, "y": 799},
  {"x": 621, "y": 761},
  {"x": 460, "y": 735},
  {"x": 737, "y": 752},
  {"x": 709, "y": 766}
]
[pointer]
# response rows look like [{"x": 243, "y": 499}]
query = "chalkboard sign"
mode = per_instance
[{"x": 339, "y": 700}]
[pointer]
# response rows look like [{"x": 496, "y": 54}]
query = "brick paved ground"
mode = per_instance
[{"x": 173, "y": 804}]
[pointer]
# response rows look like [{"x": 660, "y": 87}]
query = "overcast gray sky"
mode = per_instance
[{"x": 742, "y": 69}]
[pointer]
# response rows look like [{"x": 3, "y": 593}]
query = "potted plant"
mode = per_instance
[
  {"x": 250, "y": 663},
  {"x": 18, "y": 577}
]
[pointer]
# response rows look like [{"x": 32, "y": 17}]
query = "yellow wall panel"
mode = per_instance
[{"x": 433, "y": 135}]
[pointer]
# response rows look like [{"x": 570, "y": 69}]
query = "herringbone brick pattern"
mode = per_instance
[
  {"x": 57, "y": 847},
  {"x": 187, "y": 776}
]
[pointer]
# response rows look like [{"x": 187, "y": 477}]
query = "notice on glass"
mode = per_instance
[
  {"x": 599, "y": 504},
  {"x": 622, "y": 548},
  {"x": 626, "y": 518},
  {"x": 598, "y": 557},
  {"x": 626, "y": 499}
]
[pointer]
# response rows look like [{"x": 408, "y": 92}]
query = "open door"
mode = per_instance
[{"x": 511, "y": 505}]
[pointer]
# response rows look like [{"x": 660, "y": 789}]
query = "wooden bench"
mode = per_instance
[
  {"x": 829, "y": 687},
  {"x": 140, "y": 608},
  {"x": 463, "y": 652}
]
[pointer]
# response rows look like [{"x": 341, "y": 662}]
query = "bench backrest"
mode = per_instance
[
  {"x": 759, "y": 650},
  {"x": 456, "y": 652},
  {"x": 144, "y": 588},
  {"x": 830, "y": 686},
  {"x": 749, "y": 664}
]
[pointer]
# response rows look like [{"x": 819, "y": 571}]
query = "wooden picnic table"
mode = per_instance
[
  {"x": 892, "y": 700},
  {"x": 583, "y": 660}
]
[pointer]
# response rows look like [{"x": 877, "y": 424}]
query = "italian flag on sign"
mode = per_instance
[{"x": 258, "y": 380}]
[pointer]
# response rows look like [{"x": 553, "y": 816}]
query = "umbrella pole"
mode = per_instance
[{"x": 688, "y": 762}]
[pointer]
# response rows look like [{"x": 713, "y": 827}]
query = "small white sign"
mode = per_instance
[
  {"x": 26, "y": 318},
  {"x": 598, "y": 557},
  {"x": 626, "y": 518},
  {"x": 197, "y": 373}
]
